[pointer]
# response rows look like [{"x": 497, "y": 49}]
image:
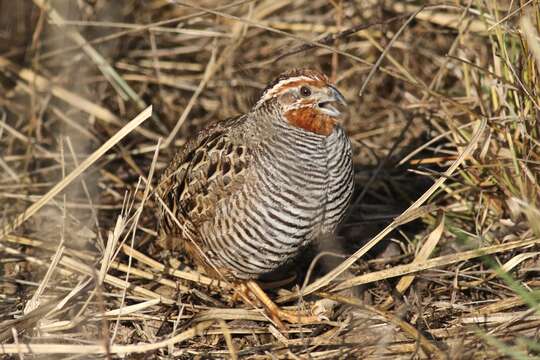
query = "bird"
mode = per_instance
[{"x": 245, "y": 195}]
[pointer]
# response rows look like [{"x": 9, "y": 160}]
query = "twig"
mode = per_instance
[
  {"x": 106, "y": 69},
  {"x": 59, "y": 187},
  {"x": 331, "y": 38},
  {"x": 325, "y": 280},
  {"x": 385, "y": 51},
  {"x": 26, "y": 348}
]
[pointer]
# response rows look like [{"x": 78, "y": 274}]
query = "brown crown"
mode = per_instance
[{"x": 314, "y": 74}]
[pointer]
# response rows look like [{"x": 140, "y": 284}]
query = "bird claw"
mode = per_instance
[
  {"x": 278, "y": 315},
  {"x": 297, "y": 317}
]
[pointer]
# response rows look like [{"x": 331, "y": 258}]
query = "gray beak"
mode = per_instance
[
  {"x": 333, "y": 95},
  {"x": 338, "y": 96}
]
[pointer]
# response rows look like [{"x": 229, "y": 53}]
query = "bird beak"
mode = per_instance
[
  {"x": 332, "y": 96},
  {"x": 338, "y": 96}
]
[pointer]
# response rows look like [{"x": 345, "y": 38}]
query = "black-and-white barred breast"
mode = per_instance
[{"x": 252, "y": 191}]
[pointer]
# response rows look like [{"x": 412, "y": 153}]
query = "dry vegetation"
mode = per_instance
[{"x": 442, "y": 245}]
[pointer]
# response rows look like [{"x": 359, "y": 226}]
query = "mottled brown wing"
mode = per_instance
[{"x": 206, "y": 170}]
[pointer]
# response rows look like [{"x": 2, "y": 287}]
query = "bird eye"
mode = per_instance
[{"x": 305, "y": 91}]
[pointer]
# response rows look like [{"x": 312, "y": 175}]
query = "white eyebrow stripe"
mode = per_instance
[{"x": 270, "y": 93}]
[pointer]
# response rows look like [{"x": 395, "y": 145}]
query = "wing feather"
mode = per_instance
[{"x": 205, "y": 171}]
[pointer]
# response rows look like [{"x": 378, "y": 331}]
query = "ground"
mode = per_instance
[{"x": 438, "y": 258}]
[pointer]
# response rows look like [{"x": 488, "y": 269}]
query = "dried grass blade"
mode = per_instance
[
  {"x": 191, "y": 276},
  {"x": 100, "y": 349},
  {"x": 34, "y": 302},
  {"x": 125, "y": 310},
  {"x": 426, "y": 344},
  {"x": 208, "y": 72},
  {"x": 73, "y": 99},
  {"x": 117, "y": 82},
  {"x": 432, "y": 263},
  {"x": 531, "y": 35},
  {"x": 145, "y": 114},
  {"x": 423, "y": 254},
  {"x": 325, "y": 280}
]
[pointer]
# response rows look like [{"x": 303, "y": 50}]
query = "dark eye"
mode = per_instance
[{"x": 305, "y": 91}]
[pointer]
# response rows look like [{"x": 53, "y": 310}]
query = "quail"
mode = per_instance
[{"x": 245, "y": 195}]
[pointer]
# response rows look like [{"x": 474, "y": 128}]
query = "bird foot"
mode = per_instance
[
  {"x": 295, "y": 317},
  {"x": 276, "y": 314},
  {"x": 242, "y": 292}
]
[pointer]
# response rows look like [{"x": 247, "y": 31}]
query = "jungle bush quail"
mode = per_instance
[{"x": 250, "y": 192}]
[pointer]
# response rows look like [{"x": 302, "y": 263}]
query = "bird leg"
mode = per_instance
[
  {"x": 242, "y": 292},
  {"x": 276, "y": 313}
]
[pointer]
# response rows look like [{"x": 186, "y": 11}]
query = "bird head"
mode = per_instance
[{"x": 306, "y": 99}]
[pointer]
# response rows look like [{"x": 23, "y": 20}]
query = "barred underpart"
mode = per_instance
[{"x": 253, "y": 190}]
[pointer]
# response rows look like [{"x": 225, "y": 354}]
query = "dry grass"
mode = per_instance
[{"x": 439, "y": 257}]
